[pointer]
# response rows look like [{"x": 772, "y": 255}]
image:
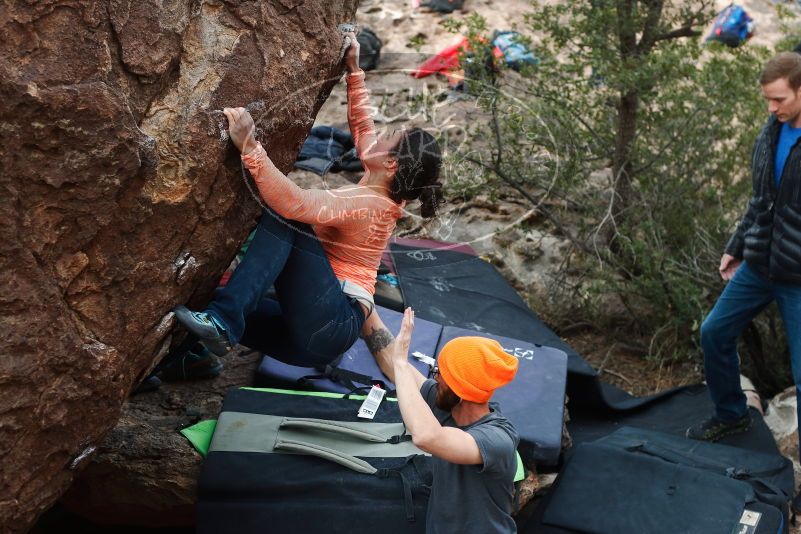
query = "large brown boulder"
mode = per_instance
[{"x": 121, "y": 197}]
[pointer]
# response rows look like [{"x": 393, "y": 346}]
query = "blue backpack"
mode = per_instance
[
  {"x": 513, "y": 49},
  {"x": 733, "y": 26}
]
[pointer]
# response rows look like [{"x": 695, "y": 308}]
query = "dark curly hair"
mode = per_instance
[{"x": 417, "y": 176}]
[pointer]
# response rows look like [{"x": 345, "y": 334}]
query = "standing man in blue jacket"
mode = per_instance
[{"x": 762, "y": 261}]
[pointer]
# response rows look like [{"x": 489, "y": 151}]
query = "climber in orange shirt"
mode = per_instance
[{"x": 320, "y": 248}]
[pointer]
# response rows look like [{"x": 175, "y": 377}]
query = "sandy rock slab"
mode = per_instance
[{"x": 121, "y": 196}]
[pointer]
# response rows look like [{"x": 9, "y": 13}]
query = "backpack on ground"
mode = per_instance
[
  {"x": 513, "y": 49},
  {"x": 733, "y": 26},
  {"x": 370, "y": 49}
]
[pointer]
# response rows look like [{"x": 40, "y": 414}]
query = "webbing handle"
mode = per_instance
[
  {"x": 680, "y": 457},
  {"x": 335, "y": 427},
  {"x": 311, "y": 449}
]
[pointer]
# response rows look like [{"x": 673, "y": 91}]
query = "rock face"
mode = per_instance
[{"x": 120, "y": 197}]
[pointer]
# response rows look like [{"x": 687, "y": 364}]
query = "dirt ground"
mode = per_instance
[{"x": 630, "y": 371}]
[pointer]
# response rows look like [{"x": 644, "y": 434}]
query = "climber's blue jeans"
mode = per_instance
[
  {"x": 746, "y": 294},
  {"x": 312, "y": 322}
]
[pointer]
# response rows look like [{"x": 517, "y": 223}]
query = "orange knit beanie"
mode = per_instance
[{"x": 474, "y": 367}]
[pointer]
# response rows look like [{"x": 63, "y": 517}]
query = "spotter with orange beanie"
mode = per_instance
[{"x": 450, "y": 416}]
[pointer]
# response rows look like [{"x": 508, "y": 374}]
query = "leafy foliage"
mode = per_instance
[{"x": 644, "y": 132}]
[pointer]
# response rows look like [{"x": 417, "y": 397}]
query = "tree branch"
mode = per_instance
[
  {"x": 496, "y": 129},
  {"x": 649, "y": 35},
  {"x": 537, "y": 204},
  {"x": 568, "y": 109},
  {"x": 684, "y": 31},
  {"x": 626, "y": 34},
  {"x": 650, "y": 26}
]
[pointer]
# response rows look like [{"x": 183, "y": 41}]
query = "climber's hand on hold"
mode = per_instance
[
  {"x": 352, "y": 54},
  {"x": 241, "y": 128}
]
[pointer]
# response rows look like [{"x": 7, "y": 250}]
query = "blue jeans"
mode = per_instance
[
  {"x": 746, "y": 294},
  {"x": 312, "y": 322}
]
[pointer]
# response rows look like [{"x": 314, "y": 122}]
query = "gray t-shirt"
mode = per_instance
[{"x": 476, "y": 499}]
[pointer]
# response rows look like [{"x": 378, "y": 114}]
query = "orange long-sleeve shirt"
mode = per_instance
[{"x": 353, "y": 223}]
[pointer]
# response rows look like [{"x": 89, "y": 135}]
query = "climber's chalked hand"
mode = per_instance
[
  {"x": 241, "y": 128},
  {"x": 352, "y": 53}
]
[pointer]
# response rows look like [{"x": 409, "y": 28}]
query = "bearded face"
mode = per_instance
[{"x": 446, "y": 399}]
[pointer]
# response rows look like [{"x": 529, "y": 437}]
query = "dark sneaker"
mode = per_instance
[
  {"x": 151, "y": 383},
  {"x": 198, "y": 362},
  {"x": 713, "y": 428},
  {"x": 203, "y": 326}
]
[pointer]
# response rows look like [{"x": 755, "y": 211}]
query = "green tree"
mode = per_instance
[{"x": 644, "y": 133}]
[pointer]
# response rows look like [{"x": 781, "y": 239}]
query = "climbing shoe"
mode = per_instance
[
  {"x": 203, "y": 326},
  {"x": 198, "y": 362},
  {"x": 713, "y": 428}
]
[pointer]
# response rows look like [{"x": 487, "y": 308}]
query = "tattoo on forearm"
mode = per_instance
[{"x": 378, "y": 339}]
